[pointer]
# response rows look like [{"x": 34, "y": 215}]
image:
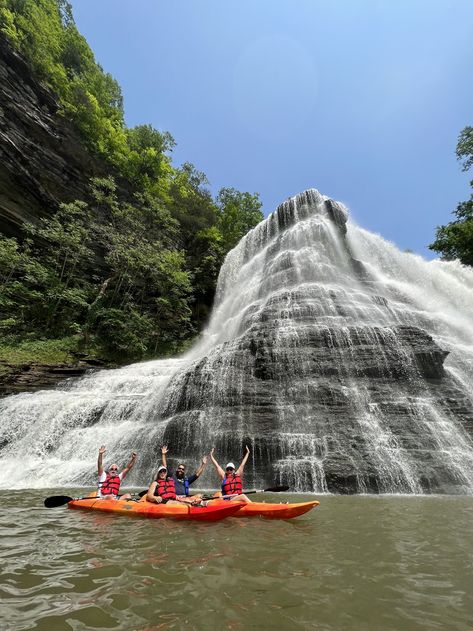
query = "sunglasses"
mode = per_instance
[
  {"x": 229, "y": 469},
  {"x": 113, "y": 469}
]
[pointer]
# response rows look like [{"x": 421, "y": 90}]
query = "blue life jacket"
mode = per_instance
[{"x": 181, "y": 483}]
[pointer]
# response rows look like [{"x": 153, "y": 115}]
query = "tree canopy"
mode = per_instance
[{"x": 455, "y": 240}]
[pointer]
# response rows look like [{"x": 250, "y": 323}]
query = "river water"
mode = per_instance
[{"x": 356, "y": 562}]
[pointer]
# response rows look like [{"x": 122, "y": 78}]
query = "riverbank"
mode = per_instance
[
  {"x": 40, "y": 364},
  {"x": 30, "y": 365},
  {"x": 29, "y": 377}
]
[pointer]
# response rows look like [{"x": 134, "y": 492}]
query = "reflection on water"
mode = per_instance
[{"x": 376, "y": 563}]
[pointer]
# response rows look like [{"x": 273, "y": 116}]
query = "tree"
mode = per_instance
[
  {"x": 455, "y": 240},
  {"x": 238, "y": 213},
  {"x": 141, "y": 305},
  {"x": 464, "y": 149},
  {"x": 45, "y": 288},
  {"x": 146, "y": 163}
]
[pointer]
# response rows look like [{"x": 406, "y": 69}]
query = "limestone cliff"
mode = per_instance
[
  {"x": 43, "y": 160},
  {"x": 331, "y": 368}
]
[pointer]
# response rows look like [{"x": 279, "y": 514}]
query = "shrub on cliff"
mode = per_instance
[{"x": 132, "y": 301}]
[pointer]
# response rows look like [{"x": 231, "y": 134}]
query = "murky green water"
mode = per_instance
[{"x": 354, "y": 563}]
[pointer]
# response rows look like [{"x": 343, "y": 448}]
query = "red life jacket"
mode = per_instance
[
  {"x": 232, "y": 485},
  {"x": 111, "y": 485},
  {"x": 166, "y": 489}
]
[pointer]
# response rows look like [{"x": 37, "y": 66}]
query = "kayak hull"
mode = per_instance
[
  {"x": 275, "y": 511},
  {"x": 215, "y": 511}
]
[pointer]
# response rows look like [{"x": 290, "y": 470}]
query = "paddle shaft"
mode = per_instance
[
  {"x": 224, "y": 497},
  {"x": 274, "y": 489}
]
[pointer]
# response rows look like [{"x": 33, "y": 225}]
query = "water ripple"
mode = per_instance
[{"x": 355, "y": 563}]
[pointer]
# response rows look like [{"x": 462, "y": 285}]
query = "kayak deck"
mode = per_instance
[
  {"x": 275, "y": 511},
  {"x": 215, "y": 511},
  {"x": 269, "y": 510}
]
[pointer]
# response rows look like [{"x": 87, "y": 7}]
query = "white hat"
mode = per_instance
[
  {"x": 230, "y": 465},
  {"x": 162, "y": 468}
]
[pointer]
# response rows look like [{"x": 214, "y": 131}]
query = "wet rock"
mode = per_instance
[
  {"x": 34, "y": 376},
  {"x": 328, "y": 397}
]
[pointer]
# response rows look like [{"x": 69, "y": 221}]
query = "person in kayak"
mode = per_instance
[
  {"x": 110, "y": 480},
  {"x": 232, "y": 484},
  {"x": 162, "y": 489},
  {"x": 181, "y": 481}
]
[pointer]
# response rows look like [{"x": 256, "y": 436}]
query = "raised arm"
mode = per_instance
[
  {"x": 130, "y": 464},
  {"x": 164, "y": 450},
  {"x": 219, "y": 469},
  {"x": 100, "y": 460},
  {"x": 239, "y": 471},
  {"x": 202, "y": 466}
]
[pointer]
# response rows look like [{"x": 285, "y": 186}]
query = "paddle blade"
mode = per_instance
[
  {"x": 57, "y": 500},
  {"x": 276, "y": 489}
]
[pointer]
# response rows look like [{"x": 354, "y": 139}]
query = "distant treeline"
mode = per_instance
[{"x": 128, "y": 279}]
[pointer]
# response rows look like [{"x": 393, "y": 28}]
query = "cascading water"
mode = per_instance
[{"x": 345, "y": 364}]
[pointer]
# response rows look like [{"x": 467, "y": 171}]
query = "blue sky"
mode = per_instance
[{"x": 362, "y": 99}]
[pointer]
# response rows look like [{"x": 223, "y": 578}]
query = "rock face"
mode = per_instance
[
  {"x": 344, "y": 364},
  {"x": 32, "y": 376},
  {"x": 42, "y": 159},
  {"x": 330, "y": 376},
  {"x": 43, "y": 162}
]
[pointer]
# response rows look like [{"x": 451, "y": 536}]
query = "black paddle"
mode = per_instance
[
  {"x": 60, "y": 500},
  {"x": 272, "y": 489}
]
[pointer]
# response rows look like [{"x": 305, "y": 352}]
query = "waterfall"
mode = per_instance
[{"x": 344, "y": 364}]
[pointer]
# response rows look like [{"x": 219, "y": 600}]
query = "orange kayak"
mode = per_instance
[
  {"x": 275, "y": 511},
  {"x": 215, "y": 511}
]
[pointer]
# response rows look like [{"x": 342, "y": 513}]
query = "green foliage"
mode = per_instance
[
  {"x": 191, "y": 202},
  {"x": 239, "y": 213},
  {"x": 133, "y": 271},
  {"x": 132, "y": 301},
  {"x": 464, "y": 148},
  {"x": 208, "y": 254},
  {"x": 43, "y": 351},
  {"x": 147, "y": 165},
  {"x": 46, "y": 288},
  {"x": 7, "y": 24},
  {"x": 455, "y": 240}
]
